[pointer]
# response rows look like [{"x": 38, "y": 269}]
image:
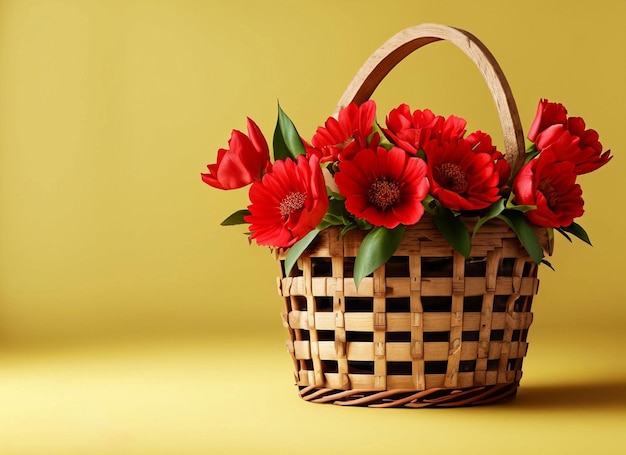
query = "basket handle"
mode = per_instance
[{"x": 394, "y": 50}]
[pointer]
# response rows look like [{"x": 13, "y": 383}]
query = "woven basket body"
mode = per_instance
[{"x": 428, "y": 328}]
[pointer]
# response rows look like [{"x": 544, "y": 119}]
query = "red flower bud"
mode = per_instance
[
  {"x": 347, "y": 133},
  {"x": 548, "y": 114},
  {"x": 246, "y": 160},
  {"x": 412, "y": 130}
]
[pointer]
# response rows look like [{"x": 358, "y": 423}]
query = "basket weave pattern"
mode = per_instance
[
  {"x": 429, "y": 327},
  {"x": 428, "y": 321}
]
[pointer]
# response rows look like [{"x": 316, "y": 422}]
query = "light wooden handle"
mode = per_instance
[{"x": 402, "y": 44}]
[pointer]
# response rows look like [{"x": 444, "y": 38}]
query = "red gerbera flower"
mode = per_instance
[
  {"x": 245, "y": 162},
  {"x": 348, "y": 132},
  {"x": 287, "y": 203},
  {"x": 550, "y": 185},
  {"x": 411, "y": 130},
  {"x": 386, "y": 188},
  {"x": 481, "y": 143},
  {"x": 461, "y": 178}
]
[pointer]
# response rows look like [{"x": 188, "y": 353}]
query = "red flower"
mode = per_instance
[
  {"x": 453, "y": 128},
  {"x": 548, "y": 114},
  {"x": 410, "y": 131},
  {"x": 287, "y": 203},
  {"x": 590, "y": 156},
  {"x": 347, "y": 133},
  {"x": 582, "y": 149},
  {"x": 386, "y": 188},
  {"x": 462, "y": 179},
  {"x": 550, "y": 185},
  {"x": 551, "y": 125},
  {"x": 481, "y": 142},
  {"x": 245, "y": 162}
]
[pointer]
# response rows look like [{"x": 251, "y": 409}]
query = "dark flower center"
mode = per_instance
[
  {"x": 549, "y": 192},
  {"x": 452, "y": 177},
  {"x": 292, "y": 202},
  {"x": 383, "y": 193}
]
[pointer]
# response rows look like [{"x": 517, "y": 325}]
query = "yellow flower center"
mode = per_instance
[
  {"x": 452, "y": 177},
  {"x": 292, "y": 202},
  {"x": 548, "y": 191},
  {"x": 383, "y": 193}
]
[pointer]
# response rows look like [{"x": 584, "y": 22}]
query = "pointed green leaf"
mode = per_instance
[
  {"x": 578, "y": 231},
  {"x": 348, "y": 228},
  {"x": 337, "y": 207},
  {"x": 334, "y": 194},
  {"x": 325, "y": 225},
  {"x": 521, "y": 208},
  {"x": 363, "y": 224},
  {"x": 524, "y": 231},
  {"x": 377, "y": 248},
  {"x": 493, "y": 211},
  {"x": 297, "y": 248},
  {"x": 333, "y": 220},
  {"x": 510, "y": 205},
  {"x": 336, "y": 215},
  {"x": 287, "y": 142},
  {"x": 430, "y": 204},
  {"x": 543, "y": 261},
  {"x": 236, "y": 218},
  {"x": 564, "y": 234},
  {"x": 453, "y": 230},
  {"x": 384, "y": 142}
]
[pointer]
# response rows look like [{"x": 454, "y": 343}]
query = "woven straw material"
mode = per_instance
[{"x": 428, "y": 328}]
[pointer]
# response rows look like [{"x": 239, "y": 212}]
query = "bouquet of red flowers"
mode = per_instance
[{"x": 357, "y": 174}]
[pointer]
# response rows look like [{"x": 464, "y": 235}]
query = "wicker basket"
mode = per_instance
[{"x": 429, "y": 328}]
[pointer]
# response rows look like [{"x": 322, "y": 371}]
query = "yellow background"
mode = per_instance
[{"x": 131, "y": 322}]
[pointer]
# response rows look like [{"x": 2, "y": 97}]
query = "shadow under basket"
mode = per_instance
[{"x": 429, "y": 328}]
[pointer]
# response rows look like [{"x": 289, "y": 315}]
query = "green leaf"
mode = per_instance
[
  {"x": 377, "y": 248},
  {"x": 333, "y": 220},
  {"x": 363, "y": 224},
  {"x": 521, "y": 208},
  {"x": 325, "y": 225},
  {"x": 287, "y": 142},
  {"x": 453, "y": 230},
  {"x": 236, "y": 218},
  {"x": 547, "y": 263},
  {"x": 531, "y": 152},
  {"x": 334, "y": 194},
  {"x": 336, "y": 215},
  {"x": 493, "y": 211},
  {"x": 564, "y": 234},
  {"x": 510, "y": 205},
  {"x": 347, "y": 228},
  {"x": 578, "y": 231},
  {"x": 524, "y": 231},
  {"x": 384, "y": 142},
  {"x": 337, "y": 207},
  {"x": 297, "y": 248},
  {"x": 430, "y": 204}
]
